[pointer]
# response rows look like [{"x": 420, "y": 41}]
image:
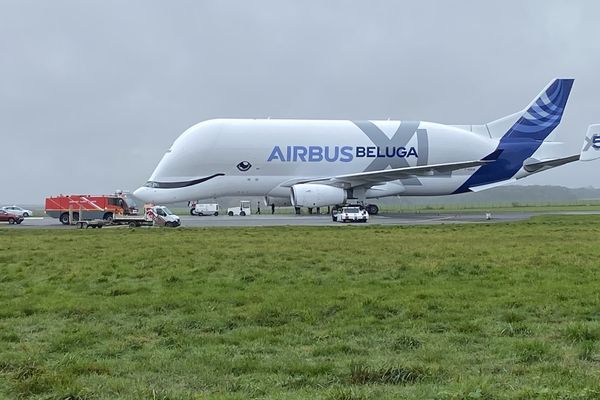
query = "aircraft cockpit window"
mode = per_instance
[{"x": 244, "y": 166}]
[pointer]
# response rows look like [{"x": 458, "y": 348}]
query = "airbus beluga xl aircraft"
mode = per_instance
[{"x": 316, "y": 163}]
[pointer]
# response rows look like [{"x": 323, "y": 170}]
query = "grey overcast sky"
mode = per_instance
[{"x": 92, "y": 93}]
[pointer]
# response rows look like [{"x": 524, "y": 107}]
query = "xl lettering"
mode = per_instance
[{"x": 596, "y": 141}]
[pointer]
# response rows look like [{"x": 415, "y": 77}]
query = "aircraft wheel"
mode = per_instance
[
  {"x": 372, "y": 209},
  {"x": 64, "y": 218}
]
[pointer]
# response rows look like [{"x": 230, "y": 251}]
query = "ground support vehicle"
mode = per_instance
[
  {"x": 243, "y": 209},
  {"x": 350, "y": 214},
  {"x": 10, "y": 217},
  {"x": 204, "y": 209},
  {"x": 72, "y": 208},
  {"x": 153, "y": 216}
]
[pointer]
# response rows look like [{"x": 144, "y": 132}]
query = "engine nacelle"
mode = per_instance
[{"x": 315, "y": 195}]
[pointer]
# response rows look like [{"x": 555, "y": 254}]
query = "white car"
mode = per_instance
[
  {"x": 350, "y": 214},
  {"x": 18, "y": 211}
]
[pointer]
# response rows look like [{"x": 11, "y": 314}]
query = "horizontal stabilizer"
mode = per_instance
[{"x": 532, "y": 165}]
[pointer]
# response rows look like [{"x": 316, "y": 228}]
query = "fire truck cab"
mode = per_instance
[{"x": 72, "y": 208}]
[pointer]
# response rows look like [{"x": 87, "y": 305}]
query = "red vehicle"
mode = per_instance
[
  {"x": 87, "y": 207},
  {"x": 10, "y": 218}
]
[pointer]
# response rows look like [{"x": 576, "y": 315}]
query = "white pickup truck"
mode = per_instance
[
  {"x": 153, "y": 215},
  {"x": 350, "y": 214}
]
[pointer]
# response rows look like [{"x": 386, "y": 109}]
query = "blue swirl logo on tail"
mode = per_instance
[
  {"x": 525, "y": 136},
  {"x": 544, "y": 114}
]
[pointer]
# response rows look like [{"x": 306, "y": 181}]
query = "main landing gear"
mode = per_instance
[{"x": 372, "y": 209}]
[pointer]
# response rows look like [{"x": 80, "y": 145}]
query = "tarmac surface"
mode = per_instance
[{"x": 321, "y": 220}]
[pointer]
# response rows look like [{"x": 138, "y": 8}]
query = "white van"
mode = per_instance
[{"x": 205, "y": 209}]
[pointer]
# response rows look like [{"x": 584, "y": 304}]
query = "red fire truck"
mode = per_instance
[{"x": 79, "y": 206}]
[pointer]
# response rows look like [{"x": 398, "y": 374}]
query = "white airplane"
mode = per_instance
[{"x": 316, "y": 163}]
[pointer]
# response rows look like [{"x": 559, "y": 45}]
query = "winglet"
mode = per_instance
[
  {"x": 493, "y": 156},
  {"x": 591, "y": 146}
]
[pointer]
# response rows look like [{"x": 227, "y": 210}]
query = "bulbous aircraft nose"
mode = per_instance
[
  {"x": 144, "y": 193},
  {"x": 157, "y": 195}
]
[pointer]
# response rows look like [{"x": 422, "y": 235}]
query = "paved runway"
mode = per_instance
[{"x": 321, "y": 220}]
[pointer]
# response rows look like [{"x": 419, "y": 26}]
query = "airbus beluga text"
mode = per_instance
[{"x": 315, "y": 163}]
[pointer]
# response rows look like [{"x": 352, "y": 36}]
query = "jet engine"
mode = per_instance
[{"x": 315, "y": 195}]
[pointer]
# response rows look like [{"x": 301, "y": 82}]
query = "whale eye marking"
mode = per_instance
[{"x": 244, "y": 166}]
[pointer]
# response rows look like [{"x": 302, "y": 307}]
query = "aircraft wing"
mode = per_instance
[{"x": 374, "y": 177}]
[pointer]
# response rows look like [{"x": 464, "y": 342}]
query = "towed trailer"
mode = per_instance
[
  {"x": 96, "y": 211},
  {"x": 90, "y": 223},
  {"x": 153, "y": 216}
]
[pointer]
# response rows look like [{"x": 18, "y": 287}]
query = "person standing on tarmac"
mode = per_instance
[
  {"x": 258, "y": 210},
  {"x": 272, "y": 208}
]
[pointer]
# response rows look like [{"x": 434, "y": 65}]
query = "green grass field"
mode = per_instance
[
  {"x": 480, "y": 208},
  {"x": 486, "y": 311}
]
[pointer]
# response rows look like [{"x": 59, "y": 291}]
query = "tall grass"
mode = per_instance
[{"x": 447, "y": 312}]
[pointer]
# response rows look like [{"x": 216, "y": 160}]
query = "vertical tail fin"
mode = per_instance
[
  {"x": 540, "y": 117},
  {"x": 591, "y": 145},
  {"x": 543, "y": 114},
  {"x": 521, "y": 135}
]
